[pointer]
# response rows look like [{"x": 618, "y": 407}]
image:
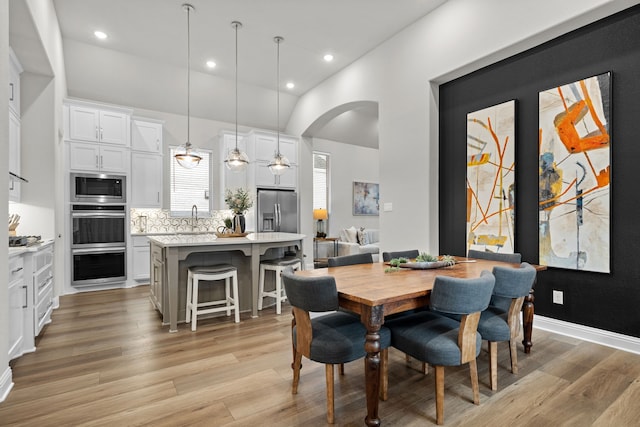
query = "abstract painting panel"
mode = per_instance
[
  {"x": 490, "y": 178},
  {"x": 574, "y": 172},
  {"x": 366, "y": 198}
]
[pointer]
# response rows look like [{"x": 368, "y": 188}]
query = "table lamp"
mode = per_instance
[{"x": 320, "y": 215}]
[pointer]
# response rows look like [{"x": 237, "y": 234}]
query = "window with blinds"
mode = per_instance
[
  {"x": 191, "y": 186},
  {"x": 320, "y": 180}
]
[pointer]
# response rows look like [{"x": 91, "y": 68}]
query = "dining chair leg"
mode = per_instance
[
  {"x": 384, "y": 374},
  {"x": 297, "y": 362},
  {"x": 342, "y": 369},
  {"x": 493, "y": 365},
  {"x": 425, "y": 368},
  {"x": 473, "y": 371},
  {"x": 439, "y": 395},
  {"x": 514, "y": 356},
  {"x": 329, "y": 375}
]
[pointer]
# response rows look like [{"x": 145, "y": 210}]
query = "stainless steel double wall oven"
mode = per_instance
[{"x": 99, "y": 229}]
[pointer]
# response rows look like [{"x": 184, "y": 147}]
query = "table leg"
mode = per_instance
[
  {"x": 527, "y": 321},
  {"x": 173, "y": 269},
  {"x": 372, "y": 318}
]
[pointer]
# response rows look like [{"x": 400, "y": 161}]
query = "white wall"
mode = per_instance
[
  {"x": 348, "y": 163},
  {"x": 5, "y": 370},
  {"x": 402, "y": 76}
]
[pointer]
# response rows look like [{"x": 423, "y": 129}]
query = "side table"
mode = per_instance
[{"x": 322, "y": 262}]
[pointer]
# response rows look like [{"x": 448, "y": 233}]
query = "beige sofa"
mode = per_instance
[{"x": 359, "y": 240}]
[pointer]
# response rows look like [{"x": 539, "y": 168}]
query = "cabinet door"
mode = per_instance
[
  {"x": 113, "y": 128},
  {"x": 289, "y": 179},
  {"x": 14, "y": 157},
  {"x": 84, "y": 157},
  {"x": 146, "y": 136},
  {"x": 84, "y": 124},
  {"x": 265, "y": 147},
  {"x": 146, "y": 181},
  {"x": 114, "y": 159},
  {"x": 17, "y": 295},
  {"x": 141, "y": 262},
  {"x": 14, "y": 83},
  {"x": 264, "y": 177}
]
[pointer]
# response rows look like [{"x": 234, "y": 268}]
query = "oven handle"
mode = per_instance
[
  {"x": 98, "y": 215},
  {"x": 98, "y": 250}
]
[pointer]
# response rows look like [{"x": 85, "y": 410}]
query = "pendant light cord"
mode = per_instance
[
  {"x": 188, "y": 7},
  {"x": 278, "y": 40},
  {"x": 236, "y": 25}
]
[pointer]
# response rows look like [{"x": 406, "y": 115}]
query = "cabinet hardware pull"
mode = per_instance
[
  {"x": 97, "y": 133},
  {"x": 97, "y": 163},
  {"x": 101, "y": 133},
  {"x": 11, "y": 97},
  {"x": 101, "y": 162},
  {"x": 26, "y": 296},
  {"x": 16, "y": 270}
]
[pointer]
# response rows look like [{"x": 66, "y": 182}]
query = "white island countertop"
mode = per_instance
[{"x": 199, "y": 239}]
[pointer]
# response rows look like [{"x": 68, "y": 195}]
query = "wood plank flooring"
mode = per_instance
[{"x": 107, "y": 361}]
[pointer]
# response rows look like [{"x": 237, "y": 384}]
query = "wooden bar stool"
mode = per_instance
[
  {"x": 277, "y": 266},
  {"x": 225, "y": 272}
]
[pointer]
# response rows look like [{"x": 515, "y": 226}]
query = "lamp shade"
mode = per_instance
[{"x": 320, "y": 214}]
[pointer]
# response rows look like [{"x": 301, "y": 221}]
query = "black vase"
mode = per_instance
[{"x": 239, "y": 223}]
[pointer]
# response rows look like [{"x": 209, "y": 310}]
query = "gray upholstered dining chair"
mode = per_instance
[
  {"x": 388, "y": 256},
  {"x": 441, "y": 341},
  {"x": 495, "y": 256},
  {"x": 339, "y": 261},
  {"x": 333, "y": 338},
  {"x": 502, "y": 323}
]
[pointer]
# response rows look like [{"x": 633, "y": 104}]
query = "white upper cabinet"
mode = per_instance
[
  {"x": 14, "y": 157},
  {"x": 266, "y": 145},
  {"x": 89, "y": 157},
  {"x": 98, "y": 125},
  {"x": 146, "y": 180},
  {"x": 146, "y": 135},
  {"x": 14, "y": 83}
]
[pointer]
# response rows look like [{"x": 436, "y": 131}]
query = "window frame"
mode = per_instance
[{"x": 210, "y": 198}]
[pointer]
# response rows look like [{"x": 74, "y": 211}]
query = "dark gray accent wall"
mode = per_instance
[{"x": 605, "y": 301}]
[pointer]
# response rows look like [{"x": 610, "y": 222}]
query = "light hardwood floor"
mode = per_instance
[{"x": 106, "y": 361}]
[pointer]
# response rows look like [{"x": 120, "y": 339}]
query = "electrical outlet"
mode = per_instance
[{"x": 558, "y": 297}]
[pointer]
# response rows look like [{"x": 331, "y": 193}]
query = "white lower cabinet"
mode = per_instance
[
  {"x": 39, "y": 264},
  {"x": 157, "y": 268},
  {"x": 141, "y": 258},
  {"x": 18, "y": 304}
]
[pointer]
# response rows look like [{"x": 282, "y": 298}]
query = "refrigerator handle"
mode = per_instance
[{"x": 278, "y": 217}]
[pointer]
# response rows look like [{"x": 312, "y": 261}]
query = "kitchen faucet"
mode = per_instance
[{"x": 194, "y": 223}]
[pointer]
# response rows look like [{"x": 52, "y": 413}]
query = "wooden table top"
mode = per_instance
[{"x": 368, "y": 284}]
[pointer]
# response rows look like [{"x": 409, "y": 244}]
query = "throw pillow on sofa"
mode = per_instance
[
  {"x": 349, "y": 235},
  {"x": 363, "y": 238}
]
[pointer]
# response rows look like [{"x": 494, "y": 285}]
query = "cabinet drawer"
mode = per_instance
[
  {"x": 16, "y": 268},
  {"x": 42, "y": 313},
  {"x": 43, "y": 258},
  {"x": 43, "y": 283}
]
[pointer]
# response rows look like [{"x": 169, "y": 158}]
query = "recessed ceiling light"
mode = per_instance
[
  {"x": 290, "y": 85},
  {"x": 211, "y": 64},
  {"x": 100, "y": 34},
  {"x": 328, "y": 57}
]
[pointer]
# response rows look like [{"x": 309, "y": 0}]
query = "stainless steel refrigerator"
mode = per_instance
[{"x": 277, "y": 211}]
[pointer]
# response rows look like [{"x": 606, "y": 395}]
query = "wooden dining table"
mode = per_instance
[{"x": 371, "y": 292}]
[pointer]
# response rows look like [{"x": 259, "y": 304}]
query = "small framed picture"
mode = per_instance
[{"x": 366, "y": 198}]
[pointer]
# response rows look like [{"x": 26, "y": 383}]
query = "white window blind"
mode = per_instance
[
  {"x": 191, "y": 186},
  {"x": 320, "y": 180}
]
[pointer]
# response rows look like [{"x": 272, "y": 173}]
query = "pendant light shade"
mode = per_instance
[
  {"x": 186, "y": 155},
  {"x": 236, "y": 160},
  {"x": 280, "y": 164}
]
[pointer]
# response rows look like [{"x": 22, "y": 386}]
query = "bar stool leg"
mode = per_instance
[
  {"x": 187, "y": 314},
  {"x": 227, "y": 295},
  {"x": 277, "y": 272},
  {"x": 194, "y": 304},
  {"x": 261, "y": 290},
  {"x": 235, "y": 297}
]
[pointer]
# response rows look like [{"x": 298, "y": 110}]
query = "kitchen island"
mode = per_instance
[{"x": 172, "y": 255}]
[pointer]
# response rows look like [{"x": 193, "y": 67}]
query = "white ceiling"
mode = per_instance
[{"x": 143, "y": 62}]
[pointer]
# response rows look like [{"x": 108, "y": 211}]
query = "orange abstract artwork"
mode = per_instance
[
  {"x": 490, "y": 178},
  {"x": 574, "y": 174}
]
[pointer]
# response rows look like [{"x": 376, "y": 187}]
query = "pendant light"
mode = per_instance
[
  {"x": 236, "y": 160},
  {"x": 186, "y": 155},
  {"x": 279, "y": 164}
]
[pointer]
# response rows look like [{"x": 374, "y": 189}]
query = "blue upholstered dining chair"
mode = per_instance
[
  {"x": 495, "y": 256},
  {"x": 388, "y": 256},
  {"x": 441, "y": 341},
  {"x": 339, "y": 261},
  {"x": 333, "y": 338},
  {"x": 500, "y": 322}
]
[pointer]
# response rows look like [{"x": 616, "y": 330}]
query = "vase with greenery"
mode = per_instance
[{"x": 239, "y": 201}]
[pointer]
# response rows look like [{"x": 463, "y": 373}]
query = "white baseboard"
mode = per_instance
[
  {"x": 6, "y": 383},
  {"x": 586, "y": 333}
]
